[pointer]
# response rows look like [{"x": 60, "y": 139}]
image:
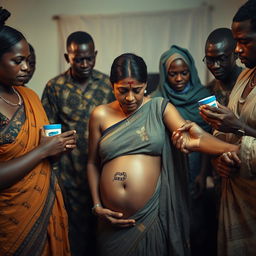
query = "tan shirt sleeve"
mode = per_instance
[{"x": 248, "y": 157}]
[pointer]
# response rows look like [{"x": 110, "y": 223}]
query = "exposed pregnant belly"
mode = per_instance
[{"x": 128, "y": 182}]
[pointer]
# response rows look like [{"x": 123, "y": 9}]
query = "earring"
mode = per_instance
[{"x": 145, "y": 91}]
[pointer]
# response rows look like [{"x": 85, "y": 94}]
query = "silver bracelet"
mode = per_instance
[{"x": 95, "y": 206}]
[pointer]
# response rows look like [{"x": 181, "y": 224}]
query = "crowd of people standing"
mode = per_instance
[{"x": 127, "y": 175}]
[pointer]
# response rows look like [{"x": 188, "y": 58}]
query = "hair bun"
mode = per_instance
[{"x": 4, "y": 15}]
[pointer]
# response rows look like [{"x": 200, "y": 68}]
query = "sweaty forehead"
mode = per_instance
[
  {"x": 217, "y": 48},
  {"x": 76, "y": 48},
  {"x": 242, "y": 29}
]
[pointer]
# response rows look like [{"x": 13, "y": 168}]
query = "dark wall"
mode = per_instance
[{"x": 153, "y": 80}]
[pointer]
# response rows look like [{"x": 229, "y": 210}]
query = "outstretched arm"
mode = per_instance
[
  {"x": 191, "y": 137},
  {"x": 223, "y": 119},
  {"x": 188, "y": 136}
]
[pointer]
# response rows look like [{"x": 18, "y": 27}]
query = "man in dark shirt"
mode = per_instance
[
  {"x": 69, "y": 99},
  {"x": 220, "y": 59}
]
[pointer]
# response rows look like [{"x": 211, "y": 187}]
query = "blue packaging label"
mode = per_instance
[{"x": 53, "y": 133}]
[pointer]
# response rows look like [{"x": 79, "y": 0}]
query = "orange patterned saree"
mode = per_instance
[{"x": 33, "y": 220}]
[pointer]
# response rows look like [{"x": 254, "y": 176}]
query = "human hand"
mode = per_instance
[
  {"x": 226, "y": 164},
  {"x": 54, "y": 145},
  {"x": 221, "y": 118},
  {"x": 114, "y": 218},
  {"x": 187, "y": 137}
]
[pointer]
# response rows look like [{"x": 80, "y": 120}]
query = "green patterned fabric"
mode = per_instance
[{"x": 66, "y": 103}]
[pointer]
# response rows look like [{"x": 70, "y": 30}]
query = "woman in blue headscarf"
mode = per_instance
[{"x": 180, "y": 83}]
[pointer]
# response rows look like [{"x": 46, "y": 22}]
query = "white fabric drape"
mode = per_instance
[{"x": 145, "y": 34}]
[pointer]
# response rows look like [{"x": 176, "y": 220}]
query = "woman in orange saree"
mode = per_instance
[{"x": 33, "y": 220}]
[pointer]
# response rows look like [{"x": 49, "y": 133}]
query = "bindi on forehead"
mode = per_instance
[{"x": 130, "y": 82}]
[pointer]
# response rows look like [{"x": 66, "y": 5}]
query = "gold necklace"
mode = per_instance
[{"x": 10, "y": 103}]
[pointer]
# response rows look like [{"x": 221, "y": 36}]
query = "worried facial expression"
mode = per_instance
[
  {"x": 220, "y": 59},
  {"x": 178, "y": 75},
  {"x": 129, "y": 92},
  {"x": 82, "y": 59},
  {"x": 14, "y": 65},
  {"x": 245, "y": 37}
]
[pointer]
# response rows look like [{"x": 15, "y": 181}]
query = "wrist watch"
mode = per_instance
[{"x": 240, "y": 132}]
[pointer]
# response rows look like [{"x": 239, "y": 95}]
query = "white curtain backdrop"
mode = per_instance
[{"x": 145, "y": 34}]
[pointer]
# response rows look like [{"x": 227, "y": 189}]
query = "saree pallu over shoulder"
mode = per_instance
[
  {"x": 27, "y": 206},
  {"x": 162, "y": 224}
]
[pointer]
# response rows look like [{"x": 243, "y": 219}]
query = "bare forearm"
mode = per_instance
[
  {"x": 93, "y": 179},
  {"x": 211, "y": 145},
  {"x": 13, "y": 170}
]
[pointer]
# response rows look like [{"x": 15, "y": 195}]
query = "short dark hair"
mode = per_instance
[
  {"x": 128, "y": 65},
  {"x": 221, "y": 34},
  {"x": 79, "y": 37},
  {"x": 247, "y": 12},
  {"x": 8, "y": 35}
]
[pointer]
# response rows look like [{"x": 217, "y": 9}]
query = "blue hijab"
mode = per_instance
[{"x": 187, "y": 101}]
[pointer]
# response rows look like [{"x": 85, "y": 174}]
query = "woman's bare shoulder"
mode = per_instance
[{"x": 103, "y": 111}]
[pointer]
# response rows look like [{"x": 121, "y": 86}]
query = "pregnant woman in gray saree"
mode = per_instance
[{"x": 137, "y": 178}]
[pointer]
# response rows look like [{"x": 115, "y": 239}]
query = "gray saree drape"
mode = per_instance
[{"x": 162, "y": 224}]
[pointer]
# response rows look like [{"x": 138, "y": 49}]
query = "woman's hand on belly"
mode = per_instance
[{"x": 114, "y": 218}]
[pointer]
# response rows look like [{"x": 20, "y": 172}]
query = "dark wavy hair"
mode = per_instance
[
  {"x": 8, "y": 35},
  {"x": 128, "y": 65},
  {"x": 247, "y": 12}
]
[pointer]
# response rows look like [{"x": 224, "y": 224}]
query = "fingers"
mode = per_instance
[
  {"x": 227, "y": 163},
  {"x": 211, "y": 108},
  {"x": 176, "y": 139},
  {"x": 221, "y": 106},
  {"x": 179, "y": 142},
  {"x": 121, "y": 222},
  {"x": 69, "y": 139},
  {"x": 185, "y": 127},
  {"x": 226, "y": 158},
  {"x": 234, "y": 157},
  {"x": 70, "y": 145},
  {"x": 210, "y": 114},
  {"x": 68, "y": 134},
  {"x": 231, "y": 158},
  {"x": 223, "y": 170},
  {"x": 115, "y": 218},
  {"x": 42, "y": 132}
]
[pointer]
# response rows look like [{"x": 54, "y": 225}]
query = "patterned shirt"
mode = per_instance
[{"x": 66, "y": 103}]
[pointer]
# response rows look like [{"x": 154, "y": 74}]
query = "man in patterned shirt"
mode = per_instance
[{"x": 69, "y": 99}]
